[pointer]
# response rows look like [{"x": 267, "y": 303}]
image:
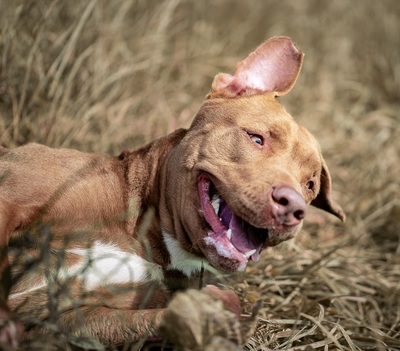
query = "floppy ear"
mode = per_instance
[
  {"x": 272, "y": 67},
  {"x": 323, "y": 199}
]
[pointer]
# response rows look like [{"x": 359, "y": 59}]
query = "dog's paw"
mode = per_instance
[
  {"x": 229, "y": 298},
  {"x": 195, "y": 320}
]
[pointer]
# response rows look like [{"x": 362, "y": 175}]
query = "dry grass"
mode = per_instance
[{"x": 104, "y": 75}]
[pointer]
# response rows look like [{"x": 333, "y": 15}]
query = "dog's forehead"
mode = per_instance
[
  {"x": 261, "y": 114},
  {"x": 263, "y": 111},
  {"x": 254, "y": 112}
]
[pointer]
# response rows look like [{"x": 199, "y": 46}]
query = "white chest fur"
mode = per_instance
[
  {"x": 100, "y": 265},
  {"x": 181, "y": 260},
  {"x": 104, "y": 264}
]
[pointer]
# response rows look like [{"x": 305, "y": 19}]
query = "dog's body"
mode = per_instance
[{"x": 238, "y": 180}]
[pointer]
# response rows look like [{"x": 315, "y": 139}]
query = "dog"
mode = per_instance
[{"x": 127, "y": 232}]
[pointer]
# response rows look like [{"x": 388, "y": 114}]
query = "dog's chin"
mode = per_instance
[{"x": 232, "y": 242}]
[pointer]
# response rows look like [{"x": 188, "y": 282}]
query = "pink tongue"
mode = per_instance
[
  {"x": 225, "y": 213},
  {"x": 241, "y": 238}
]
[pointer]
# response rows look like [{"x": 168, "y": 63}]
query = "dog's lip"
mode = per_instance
[{"x": 231, "y": 236}]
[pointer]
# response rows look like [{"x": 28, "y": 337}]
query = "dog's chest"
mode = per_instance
[
  {"x": 94, "y": 264},
  {"x": 106, "y": 264},
  {"x": 92, "y": 267},
  {"x": 180, "y": 259}
]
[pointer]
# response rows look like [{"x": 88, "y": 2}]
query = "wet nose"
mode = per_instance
[{"x": 289, "y": 207}]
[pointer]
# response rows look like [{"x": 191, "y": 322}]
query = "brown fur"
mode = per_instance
[{"x": 130, "y": 200}]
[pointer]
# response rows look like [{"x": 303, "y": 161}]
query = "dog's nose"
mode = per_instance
[{"x": 289, "y": 207}]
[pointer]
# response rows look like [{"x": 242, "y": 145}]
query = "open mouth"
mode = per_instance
[{"x": 232, "y": 236}]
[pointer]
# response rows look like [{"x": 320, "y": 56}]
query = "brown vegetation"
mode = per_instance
[{"x": 105, "y": 75}]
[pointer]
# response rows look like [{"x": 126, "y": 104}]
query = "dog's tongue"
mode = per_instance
[
  {"x": 244, "y": 238},
  {"x": 225, "y": 213}
]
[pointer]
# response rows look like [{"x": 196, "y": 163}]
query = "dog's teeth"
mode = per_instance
[
  {"x": 229, "y": 234},
  {"x": 215, "y": 203},
  {"x": 249, "y": 253}
]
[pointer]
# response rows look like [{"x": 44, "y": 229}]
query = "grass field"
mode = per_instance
[{"x": 101, "y": 76}]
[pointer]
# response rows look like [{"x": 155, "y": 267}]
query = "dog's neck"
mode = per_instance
[
  {"x": 145, "y": 184},
  {"x": 143, "y": 168}
]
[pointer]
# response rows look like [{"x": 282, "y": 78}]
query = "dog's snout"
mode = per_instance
[{"x": 289, "y": 206}]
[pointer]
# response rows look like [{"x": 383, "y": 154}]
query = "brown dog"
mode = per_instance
[{"x": 215, "y": 195}]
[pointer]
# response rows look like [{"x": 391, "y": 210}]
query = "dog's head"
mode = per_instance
[{"x": 245, "y": 172}]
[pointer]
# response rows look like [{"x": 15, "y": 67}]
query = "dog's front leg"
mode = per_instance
[{"x": 111, "y": 326}]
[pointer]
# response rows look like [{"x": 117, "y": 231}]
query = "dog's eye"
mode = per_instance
[
  {"x": 257, "y": 139},
  {"x": 310, "y": 185}
]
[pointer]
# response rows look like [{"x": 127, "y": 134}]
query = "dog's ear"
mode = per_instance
[
  {"x": 323, "y": 199},
  {"x": 273, "y": 67}
]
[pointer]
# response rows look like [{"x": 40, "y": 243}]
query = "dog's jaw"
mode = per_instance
[
  {"x": 231, "y": 241},
  {"x": 227, "y": 233}
]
